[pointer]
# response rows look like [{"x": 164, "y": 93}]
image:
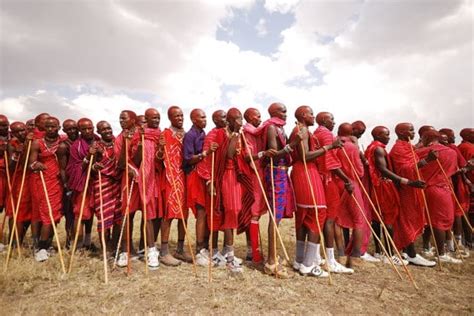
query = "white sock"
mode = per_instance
[
  {"x": 450, "y": 245},
  {"x": 318, "y": 254},
  {"x": 331, "y": 257}
]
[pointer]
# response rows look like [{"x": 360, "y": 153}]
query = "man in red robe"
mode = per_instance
[
  {"x": 80, "y": 154},
  {"x": 384, "y": 193},
  {"x": 466, "y": 147},
  {"x": 461, "y": 189},
  {"x": 17, "y": 156},
  {"x": 72, "y": 133},
  {"x": 335, "y": 181},
  {"x": 4, "y": 138},
  {"x": 171, "y": 140},
  {"x": 411, "y": 220},
  {"x": 438, "y": 192},
  {"x": 44, "y": 158},
  {"x": 308, "y": 221},
  {"x": 351, "y": 215},
  {"x": 30, "y": 126},
  {"x": 196, "y": 187},
  {"x": 216, "y": 136},
  {"x": 107, "y": 164}
]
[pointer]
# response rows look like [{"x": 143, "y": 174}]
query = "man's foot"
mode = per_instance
[
  {"x": 313, "y": 270},
  {"x": 276, "y": 269},
  {"x": 153, "y": 262},
  {"x": 219, "y": 259},
  {"x": 183, "y": 256},
  {"x": 122, "y": 260},
  {"x": 428, "y": 253},
  {"x": 296, "y": 265},
  {"x": 369, "y": 258},
  {"x": 342, "y": 259},
  {"x": 233, "y": 267},
  {"x": 396, "y": 261},
  {"x": 237, "y": 260},
  {"x": 462, "y": 251},
  {"x": 420, "y": 261},
  {"x": 41, "y": 255},
  {"x": 91, "y": 248},
  {"x": 169, "y": 260},
  {"x": 336, "y": 267},
  {"x": 379, "y": 256},
  {"x": 357, "y": 262},
  {"x": 202, "y": 258},
  {"x": 448, "y": 259}
]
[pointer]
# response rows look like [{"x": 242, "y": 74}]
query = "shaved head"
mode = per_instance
[
  {"x": 151, "y": 111},
  {"x": 447, "y": 131},
  {"x": 424, "y": 128},
  {"x": 322, "y": 117},
  {"x": 274, "y": 108},
  {"x": 17, "y": 125},
  {"x": 378, "y": 131},
  {"x": 430, "y": 136},
  {"x": 196, "y": 113},
  {"x": 249, "y": 112},
  {"x": 68, "y": 121},
  {"x": 83, "y": 121},
  {"x": 345, "y": 129},
  {"x": 301, "y": 111}
]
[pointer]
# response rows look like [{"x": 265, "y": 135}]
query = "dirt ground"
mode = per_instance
[{"x": 29, "y": 287}]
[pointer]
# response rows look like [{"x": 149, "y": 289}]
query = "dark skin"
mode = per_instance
[
  {"x": 305, "y": 119},
  {"x": 128, "y": 128},
  {"x": 255, "y": 120},
  {"x": 176, "y": 118},
  {"x": 71, "y": 130},
  {"x": 274, "y": 143},
  {"x": 51, "y": 127},
  {"x": 30, "y": 126},
  {"x": 219, "y": 118}
]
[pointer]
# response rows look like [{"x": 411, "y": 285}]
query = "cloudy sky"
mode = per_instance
[{"x": 380, "y": 61}]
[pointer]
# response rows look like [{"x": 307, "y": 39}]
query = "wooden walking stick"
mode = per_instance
[
  {"x": 454, "y": 194},
  {"x": 379, "y": 217},
  {"x": 145, "y": 217},
  {"x": 264, "y": 193},
  {"x": 15, "y": 214},
  {"x": 23, "y": 176},
  {"x": 272, "y": 180},
  {"x": 375, "y": 235},
  {"x": 175, "y": 190},
  {"x": 102, "y": 232},
  {"x": 211, "y": 263},
  {"x": 313, "y": 197},
  {"x": 50, "y": 212},
  {"x": 3, "y": 224},
  {"x": 81, "y": 211},
  {"x": 127, "y": 212},
  {"x": 427, "y": 212},
  {"x": 124, "y": 220}
]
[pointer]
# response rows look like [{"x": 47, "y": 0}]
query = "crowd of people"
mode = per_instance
[{"x": 338, "y": 193}]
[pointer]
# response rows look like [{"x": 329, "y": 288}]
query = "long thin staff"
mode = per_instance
[
  {"x": 175, "y": 189},
  {"x": 272, "y": 180},
  {"x": 15, "y": 214},
  {"x": 211, "y": 263},
  {"x": 102, "y": 233},
  {"x": 18, "y": 202},
  {"x": 379, "y": 217},
  {"x": 427, "y": 211},
  {"x": 81, "y": 211},
  {"x": 3, "y": 224},
  {"x": 50, "y": 211},
  {"x": 313, "y": 197},
  {"x": 124, "y": 220},
  {"x": 260, "y": 183},
  {"x": 145, "y": 217},
  {"x": 454, "y": 194},
  {"x": 375, "y": 235},
  {"x": 127, "y": 213}
]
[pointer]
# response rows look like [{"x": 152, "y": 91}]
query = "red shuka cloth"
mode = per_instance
[
  {"x": 384, "y": 194},
  {"x": 175, "y": 193},
  {"x": 305, "y": 211},
  {"x": 438, "y": 193},
  {"x": 47, "y": 156},
  {"x": 411, "y": 220},
  {"x": 350, "y": 215},
  {"x": 461, "y": 188},
  {"x": 24, "y": 211}
]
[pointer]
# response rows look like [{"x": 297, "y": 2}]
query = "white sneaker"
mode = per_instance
[
  {"x": 336, "y": 267},
  {"x": 404, "y": 255},
  {"x": 369, "y": 258},
  {"x": 448, "y": 259},
  {"x": 122, "y": 260},
  {"x": 234, "y": 267},
  {"x": 428, "y": 252},
  {"x": 379, "y": 256},
  {"x": 296, "y": 265},
  {"x": 420, "y": 261},
  {"x": 237, "y": 260},
  {"x": 202, "y": 258},
  {"x": 219, "y": 259},
  {"x": 41, "y": 255},
  {"x": 153, "y": 262},
  {"x": 396, "y": 261},
  {"x": 313, "y": 270}
]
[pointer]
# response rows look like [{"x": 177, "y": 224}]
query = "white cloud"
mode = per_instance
[{"x": 261, "y": 28}]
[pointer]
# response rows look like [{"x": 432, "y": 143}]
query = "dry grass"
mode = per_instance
[{"x": 33, "y": 288}]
